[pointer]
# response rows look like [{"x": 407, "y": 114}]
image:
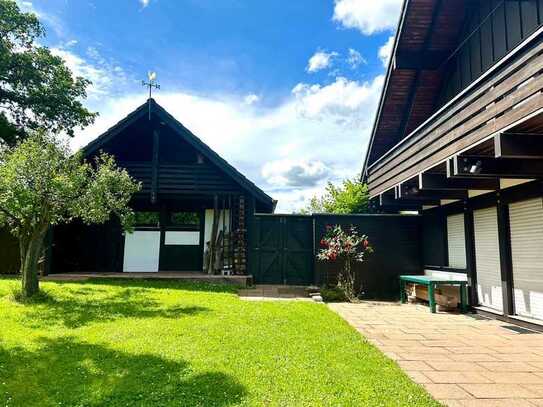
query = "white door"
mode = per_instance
[
  {"x": 141, "y": 251},
  {"x": 487, "y": 258},
  {"x": 456, "y": 241},
  {"x": 526, "y": 225}
]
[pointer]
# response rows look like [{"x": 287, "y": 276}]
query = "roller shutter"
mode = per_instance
[
  {"x": 487, "y": 258},
  {"x": 526, "y": 225},
  {"x": 456, "y": 241}
]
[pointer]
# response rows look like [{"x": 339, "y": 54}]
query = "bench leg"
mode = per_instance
[
  {"x": 463, "y": 302},
  {"x": 431, "y": 298},
  {"x": 402, "y": 292}
]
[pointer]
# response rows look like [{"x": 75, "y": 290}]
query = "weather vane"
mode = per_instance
[{"x": 152, "y": 82}]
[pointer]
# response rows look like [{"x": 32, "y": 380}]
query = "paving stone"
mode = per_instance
[
  {"x": 461, "y": 361},
  {"x": 418, "y": 376},
  {"x": 494, "y": 403},
  {"x": 513, "y": 377},
  {"x": 536, "y": 388},
  {"x": 456, "y": 366},
  {"x": 508, "y": 366},
  {"x": 472, "y": 357},
  {"x": 498, "y": 391},
  {"x": 414, "y": 365},
  {"x": 425, "y": 356},
  {"x": 457, "y": 377},
  {"x": 446, "y": 391}
]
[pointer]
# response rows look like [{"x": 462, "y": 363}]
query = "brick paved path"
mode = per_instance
[{"x": 460, "y": 360}]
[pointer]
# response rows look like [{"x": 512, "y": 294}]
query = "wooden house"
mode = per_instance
[
  {"x": 458, "y": 136},
  {"x": 191, "y": 199}
]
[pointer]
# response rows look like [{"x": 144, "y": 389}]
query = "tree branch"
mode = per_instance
[{"x": 11, "y": 216}]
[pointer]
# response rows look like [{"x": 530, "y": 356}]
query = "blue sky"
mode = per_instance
[{"x": 284, "y": 90}]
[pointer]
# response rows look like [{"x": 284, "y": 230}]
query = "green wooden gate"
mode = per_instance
[{"x": 282, "y": 249}]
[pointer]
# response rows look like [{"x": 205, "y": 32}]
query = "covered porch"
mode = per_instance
[{"x": 238, "y": 280}]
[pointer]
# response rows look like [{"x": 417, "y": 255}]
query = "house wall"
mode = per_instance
[
  {"x": 493, "y": 29},
  {"x": 510, "y": 298},
  {"x": 504, "y": 98}
]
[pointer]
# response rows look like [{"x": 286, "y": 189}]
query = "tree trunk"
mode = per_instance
[{"x": 30, "y": 254}]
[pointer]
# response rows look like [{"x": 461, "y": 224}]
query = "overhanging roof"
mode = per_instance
[
  {"x": 427, "y": 34},
  {"x": 153, "y": 108}
]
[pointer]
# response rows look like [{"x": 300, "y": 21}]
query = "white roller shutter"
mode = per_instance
[
  {"x": 456, "y": 241},
  {"x": 487, "y": 258},
  {"x": 526, "y": 224}
]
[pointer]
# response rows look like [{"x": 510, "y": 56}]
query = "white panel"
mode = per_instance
[
  {"x": 487, "y": 257},
  {"x": 188, "y": 238},
  {"x": 141, "y": 251},
  {"x": 456, "y": 241},
  {"x": 446, "y": 275},
  {"x": 526, "y": 225}
]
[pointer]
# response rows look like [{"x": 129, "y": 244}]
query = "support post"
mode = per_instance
[
  {"x": 506, "y": 263},
  {"x": 154, "y": 180}
]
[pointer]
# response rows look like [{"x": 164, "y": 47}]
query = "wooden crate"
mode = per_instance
[{"x": 446, "y": 296}]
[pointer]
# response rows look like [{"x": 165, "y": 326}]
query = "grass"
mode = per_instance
[{"x": 127, "y": 342}]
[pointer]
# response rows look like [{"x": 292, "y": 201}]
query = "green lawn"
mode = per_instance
[{"x": 123, "y": 343}]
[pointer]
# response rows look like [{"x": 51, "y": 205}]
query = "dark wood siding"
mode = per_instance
[
  {"x": 493, "y": 29},
  {"x": 434, "y": 249},
  {"x": 509, "y": 95}
]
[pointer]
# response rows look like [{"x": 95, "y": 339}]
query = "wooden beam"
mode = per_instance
[
  {"x": 429, "y": 181},
  {"x": 389, "y": 201},
  {"x": 486, "y": 166},
  {"x": 414, "y": 193},
  {"x": 154, "y": 177},
  {"x": 512, "y": 145}
]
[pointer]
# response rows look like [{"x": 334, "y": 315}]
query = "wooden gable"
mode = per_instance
[{"x": 170, "y": 161}]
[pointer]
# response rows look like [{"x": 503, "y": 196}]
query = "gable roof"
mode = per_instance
[{"x": 151, "y": 107}]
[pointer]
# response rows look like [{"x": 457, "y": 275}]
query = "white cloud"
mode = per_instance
[
  {"x": 320, "y": 60},
  {"x": 287, "y": 149},
  {"x": 341, "y": 101},
  {"x": 50, "y": 20},
  {"x": 368, "y": 16},
  {"x": 288, "y": 172},
  {"x": 355, "y": 59},
  {"x": 104, "y": 75},
  {"x": 144, "y": 3},
  {"x": 386, "y": 50},
  {"x": 251, "y": 99}
]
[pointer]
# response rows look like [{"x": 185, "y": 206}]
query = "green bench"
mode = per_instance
[{"x": 432, "y": 283}]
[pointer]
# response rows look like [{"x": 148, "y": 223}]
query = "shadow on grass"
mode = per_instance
[
  {"x": 68, "y": 372},
  {"x": 88, "y": 303}
]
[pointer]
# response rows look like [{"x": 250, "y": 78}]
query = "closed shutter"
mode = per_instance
[
  {"x": 526, "y": 224},
  {"x": 456, "y": 241},
  {"x": 487, "y": 258}
]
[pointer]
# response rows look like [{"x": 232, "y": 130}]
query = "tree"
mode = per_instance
[
  {"x": 37, "y": 90},
  {"x": 350, "y": 197},
  {"x": 42, "y": 184}
]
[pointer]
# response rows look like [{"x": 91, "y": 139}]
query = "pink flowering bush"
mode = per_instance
[{"x": 346, "y": 246}]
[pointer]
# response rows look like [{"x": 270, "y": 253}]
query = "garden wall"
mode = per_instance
[{"x": 396, "y": 240}]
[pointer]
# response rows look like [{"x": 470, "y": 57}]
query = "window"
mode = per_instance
[
  {"x": 149, "y": 219},
  {"x": 185, "y": 219}
]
